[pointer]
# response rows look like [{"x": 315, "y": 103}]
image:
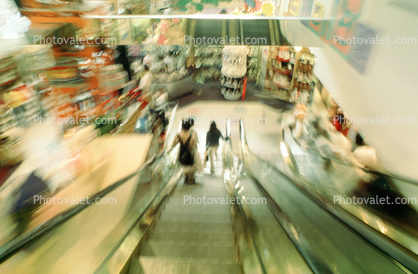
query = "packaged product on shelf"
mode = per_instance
[
  {"x": 207, "y": 63},
  {"x": 9, "y": 72},
  {"x": 37, "y": 57},
  {"x": 234, "y": 69}
]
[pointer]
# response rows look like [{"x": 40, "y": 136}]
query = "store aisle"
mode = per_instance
[{"x": 211, "y": 91}]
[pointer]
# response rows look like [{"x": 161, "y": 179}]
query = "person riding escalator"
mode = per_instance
[{"x": 189, "y": 157}]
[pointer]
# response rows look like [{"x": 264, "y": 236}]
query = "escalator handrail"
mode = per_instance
[
  {"x": 228, "y": 143},
  {"x": 18, "y": 243},
  {"x": 316, "y": 265},
  {"x": 365, "y": 169},
  {"x": 406, "y": 259}
]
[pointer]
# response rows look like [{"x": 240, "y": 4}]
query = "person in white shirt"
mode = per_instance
[
  {"x": 169, "y": 62},
  {"x": 146, "y": 81}
]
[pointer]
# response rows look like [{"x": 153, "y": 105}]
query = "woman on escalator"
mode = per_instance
[
  {"x": 212, "y": 144},
  {"x": 189, "y": 156}
]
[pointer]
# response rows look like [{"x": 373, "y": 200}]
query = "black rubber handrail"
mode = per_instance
[
  {"x": 246, "y": 221},
  {"x": 394, "y": 251},
  {"x": 16, "y": 244},
  {"x": 301, "y": 244}
]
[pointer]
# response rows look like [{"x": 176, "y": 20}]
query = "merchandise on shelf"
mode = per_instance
[
  {"x": 37, "y": 57},
  {"x": 112, "y": 77},
  {"x": 8, "y": 71},
  {"x": 138, "y": 7},
  {"x": 49, "y": 3},
  {"x": 234, "y": 69},
  {"x": 116, "y": 30},
  {"x": 207, "y": 62},
  {"x": 280, "y": 68},
  {"x": 7, "y": 119},
  {"x": 167, "y": 63},
  {"x": 198, "y": 6},
  {"x": 234, "y": 61},
  {"x": 26, "y": 107},
  {"x": 303, "y": 82},
  {"x": 167, "y": 31},
  {"x": 157, "y": 5},
  {"x": 302, "y": 97},
  {"x": 140, "y": 30}
]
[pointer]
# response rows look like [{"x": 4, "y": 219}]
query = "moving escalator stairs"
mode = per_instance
[{"x": 191, "y": 237}]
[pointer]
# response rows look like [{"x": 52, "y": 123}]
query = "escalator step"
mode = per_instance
[
  {"x": 163, "y": 265},
  {"x": 176, "y": 226},
  {"x": 194, "y": 238},
  {"x": 196, "y": 217},
  {"x": 162, "y": 249}
]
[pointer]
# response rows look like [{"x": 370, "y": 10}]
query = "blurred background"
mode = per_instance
[{"x": 317, "y": 97}]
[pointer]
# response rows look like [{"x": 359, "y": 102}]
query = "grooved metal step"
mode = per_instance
[
  {"x": 163, "y": 249},
  {"x": 168, "y": 265},
  {"x": 194, "y": 238}
]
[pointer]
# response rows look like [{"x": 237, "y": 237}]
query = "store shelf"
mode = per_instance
[
  {"x": 200, "y": 16},
  {"x": 280, "y": 86},
  {"x": 85, "y": 6},
  {"x": 283, "y": 60}
]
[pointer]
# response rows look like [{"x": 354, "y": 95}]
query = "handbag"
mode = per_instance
[{"x": 206, "y": 156}]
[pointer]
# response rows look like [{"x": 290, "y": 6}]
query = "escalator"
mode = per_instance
[
  {"x": 270, "y": 226},
  {"x": 191, "y": 238},
  {"x": 288, "y": 231}
]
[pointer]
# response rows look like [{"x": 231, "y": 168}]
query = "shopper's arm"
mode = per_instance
[
  {"x": 207, "y": 141},
  {"x": 175, "y": 141}
]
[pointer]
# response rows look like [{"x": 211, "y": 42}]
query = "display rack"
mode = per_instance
[
  {"x": 253, "y": 63},
  {"x": 288, "y": 73},
  {"x": 207, "y": 63},
  {"x": 234, "y": 70},
  {"x": 303, "y": 81}
]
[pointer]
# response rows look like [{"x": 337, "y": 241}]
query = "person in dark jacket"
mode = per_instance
[{"x": 212, "y": 143}]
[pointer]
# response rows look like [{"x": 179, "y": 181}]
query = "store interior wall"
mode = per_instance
[{"x": 386, "y": 89}]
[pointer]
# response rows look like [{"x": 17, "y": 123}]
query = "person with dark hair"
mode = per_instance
[
  {"x": 122, "y": 58},
  {"x": 212, "y": 143},
  {"x": 189, "y": 157},
  {"x": 359, "y": 140}
]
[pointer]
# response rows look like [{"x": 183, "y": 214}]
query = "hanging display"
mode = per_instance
[
  {"x": 207, "y": 63},
  {"x": 303, "y": 82},
  {"x": 234, "y": 69}
]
